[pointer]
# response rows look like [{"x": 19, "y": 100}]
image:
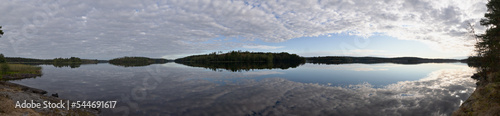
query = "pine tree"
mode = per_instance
[
  {"x": 488, "y": 47},
  {"x": 1, "y": 32},
  {"x": 2, "y": 59}
]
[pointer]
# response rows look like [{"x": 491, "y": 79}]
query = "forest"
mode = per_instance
[
  {"x": 239, "y": 56},
  {"x": 243, "y": 66},
  {"x": 73, "y": 62},
  {"x": 136, "y": 61},
  {"x": 243, "y": 61}
]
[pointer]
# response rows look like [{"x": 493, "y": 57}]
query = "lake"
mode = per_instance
[{"x": 309, "y": 89}]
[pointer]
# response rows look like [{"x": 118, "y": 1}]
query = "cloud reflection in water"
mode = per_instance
[
  {"x": 439, "y": 93},
  {"x": 180, "y": 90}
]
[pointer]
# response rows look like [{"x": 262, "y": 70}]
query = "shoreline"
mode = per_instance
[
  {"x": 10, "y": 93},
  {"x": 485, "y": 100}
]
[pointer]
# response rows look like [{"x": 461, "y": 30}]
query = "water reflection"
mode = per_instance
[
  {"x": 243, "y": 66},
  {"x": 136, "y": 64},
  {"x": 62, "y": 65},
  {"x": 440, "y": 93},
  {"x": 174, "y": 89}
]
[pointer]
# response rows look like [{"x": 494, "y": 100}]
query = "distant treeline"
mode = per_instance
[
  {"x": 27, "y": 60},
  {"x": 136, "y": 61},
  {"x": 238, "y": 56},
  {"x": 243, "y": 66},
  {"x": 73, "y": 62},
  {"x": 227, "y": 60},
  {"x": 55, "y": 60},
  {"x": 372, "y": 60}
]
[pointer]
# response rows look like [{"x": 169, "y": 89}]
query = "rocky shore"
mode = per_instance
[
  {"x": 20, "y": 76},
  {"x": 485, "y": 101},
  {"x": 10, "y": 93}
]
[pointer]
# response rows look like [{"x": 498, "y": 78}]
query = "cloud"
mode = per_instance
[
  {"x": 365, "y": 51},
  {"x": 439, "y": 94},
  {"x": 345, "y": 52},
  {"x": 114, "y": 28},
  {"x": 368, "y": 69},
  {"x": 353, "y": 67},
  {"x": 265, "y": 47},
  {"x": 261, "y": 73}
]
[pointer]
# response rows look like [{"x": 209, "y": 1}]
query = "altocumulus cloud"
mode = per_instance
[
  {"x": 261, "y": 47},
  {"x": 111, "y": 28}
]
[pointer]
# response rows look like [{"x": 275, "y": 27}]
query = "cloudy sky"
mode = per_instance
[{"x": 177, "y": 28}]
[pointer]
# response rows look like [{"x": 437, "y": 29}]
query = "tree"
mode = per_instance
[
  {"x": 1, "y": 32},
  {"x": 488, "y": 47},
  {"x": 4, "y": 68},
  {"x": 2, "y": 59}
]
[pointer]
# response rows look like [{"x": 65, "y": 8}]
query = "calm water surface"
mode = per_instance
[{"x": 310, "y": 89}]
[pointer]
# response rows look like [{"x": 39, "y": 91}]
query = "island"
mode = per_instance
[
  {"x": 243, "y": 61},
  {"x": 137, "y": 61}
]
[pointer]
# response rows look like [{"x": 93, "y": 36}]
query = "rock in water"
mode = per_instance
[{"x": 55, "y": 95}]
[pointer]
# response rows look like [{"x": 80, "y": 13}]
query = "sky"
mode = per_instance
[{"x": 178, "y": 28}]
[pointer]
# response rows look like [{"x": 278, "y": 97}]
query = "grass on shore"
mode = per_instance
[{"x": 10, "y": 69}]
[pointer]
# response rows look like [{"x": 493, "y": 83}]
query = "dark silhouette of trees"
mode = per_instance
[
  {"x": 64, "y": 60},
  {"x": 487, "y": 58},
  {"x": 72, "y": 62},
  {"x": 485, "y": 99},
  {"x": 28, "y": 60},
  {"x": 239, "y": 56},
  {"x": 1, "y": 32},
  {"x": 136, "y": 61},
  {"x": 4, "y": 68},
  {"x": 2, "y": 59},
  {"x": 243, "y": 61},
  {"x": 488, "y": 46},
  {"x": 243, "y": 66}
]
